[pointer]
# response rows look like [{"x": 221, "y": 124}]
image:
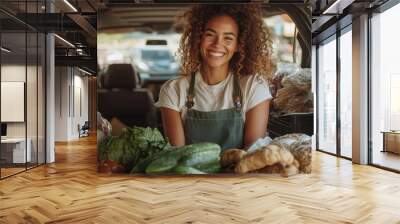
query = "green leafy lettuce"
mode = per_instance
[{"x": 132, "y": 146}]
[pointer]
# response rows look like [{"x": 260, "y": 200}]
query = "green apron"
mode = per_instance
[{"x": 224, "y": 127}]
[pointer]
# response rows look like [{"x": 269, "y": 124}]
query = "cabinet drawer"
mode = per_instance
[{"x": 392, "y": 142}]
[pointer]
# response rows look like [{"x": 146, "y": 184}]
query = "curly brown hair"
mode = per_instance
[{"x": 254, "y": 39}]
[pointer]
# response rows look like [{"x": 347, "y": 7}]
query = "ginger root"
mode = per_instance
[
  {"x": 269, "y": 155},
  {"x": 289, "y": 154},
  {"x": 231, "y": 156}
]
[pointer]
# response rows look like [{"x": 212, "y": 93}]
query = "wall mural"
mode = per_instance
[{"x": 205, "y": 89}]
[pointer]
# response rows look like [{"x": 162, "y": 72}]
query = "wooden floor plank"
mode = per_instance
[{"x": 71, "y": 191}]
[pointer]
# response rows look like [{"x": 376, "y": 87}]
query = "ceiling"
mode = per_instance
[
  {"x": 330, "y": 16},
  {"x": 59, "y": 16},
  {"x": 22, "y": 49},
  {"x": 159, "y": 16},
  {"x": 73, "y": 20},
  {"x": 152, "y": 15},
  {"x": 147, "y": 18}
]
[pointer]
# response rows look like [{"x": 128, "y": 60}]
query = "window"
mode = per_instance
[
  {"x": 346, "y": 94},
  {"x": 327, "y": 96},
  {"x": 22, "y": 68},
  {"x": 385, "y": 85}
]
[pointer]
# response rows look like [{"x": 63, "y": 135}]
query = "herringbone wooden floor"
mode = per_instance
[{"x": 71, "y": 191}]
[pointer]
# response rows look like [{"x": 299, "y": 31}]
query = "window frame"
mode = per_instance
[
  {"x": 381, "y": 9},
  {"x": 333, "y": 37}
]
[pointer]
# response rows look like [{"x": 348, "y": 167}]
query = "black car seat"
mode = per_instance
[{"x": 120, "y": 98}]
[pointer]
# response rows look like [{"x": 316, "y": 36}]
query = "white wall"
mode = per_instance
[
  {"x": 17, "y": 73},
  {"x": 79, "y": 112},
  {"x": 33, "y": 126},
  {"x": 12, "y": 101},
  {"x": 61, "y": 103},
  {"x": 14, "y": 73},
  {"x": 70, "y": 83}
]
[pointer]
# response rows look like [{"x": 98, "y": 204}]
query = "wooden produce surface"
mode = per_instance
[{"x": 71, "y": 191}]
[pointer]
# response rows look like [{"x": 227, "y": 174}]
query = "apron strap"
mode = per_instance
[
  {"x": 236, "y": 93},
  {"x": 190, "y": 94}
]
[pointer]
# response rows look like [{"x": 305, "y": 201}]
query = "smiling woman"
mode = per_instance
[
  {"x": 223, "y": 94},
  {"x": 218, "y": 45}
]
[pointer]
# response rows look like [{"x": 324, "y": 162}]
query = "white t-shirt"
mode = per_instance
[{"x": 207, "y": 97}]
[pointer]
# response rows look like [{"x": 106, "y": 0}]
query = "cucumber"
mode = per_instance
[
  {"x": 201, "y": 147},
  {"x": 203, "y": 157},
  {"x": 186, "y": 170},
  {"x": 212, "y": 167},
  {"x": 162, "y": 165},
  {"x": 142, "y": 165},
  {"x": 187, "y": 155}
]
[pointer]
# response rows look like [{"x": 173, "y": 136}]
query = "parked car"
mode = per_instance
[{"x": 155, "y": 62}]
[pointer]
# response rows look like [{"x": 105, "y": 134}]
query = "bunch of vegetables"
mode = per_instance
[
  {"x": 132, "y": 146},
  {"x": 199, "y": 158},
  {"x": 144, "y": 150}
]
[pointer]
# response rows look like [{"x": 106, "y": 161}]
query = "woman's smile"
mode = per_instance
[{"x": 217, "y": 54}]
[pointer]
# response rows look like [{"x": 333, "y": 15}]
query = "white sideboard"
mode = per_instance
[
  {"x": 17, "y": 145},
  {"x": 391, "y": 141}
]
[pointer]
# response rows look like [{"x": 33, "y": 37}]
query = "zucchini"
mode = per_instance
[
  {"x": 162, "y": 165},
  {"x": 186, "y": 170},
  {"x": 212, "y": 167},
  {"x": 187, "y": 155},
  {"x": 203, "y": 157},
  {"x": 201, "y": 147},
  {"x": 142, "y": 165}
]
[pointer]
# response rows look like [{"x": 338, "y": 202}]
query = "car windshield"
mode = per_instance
[{"x": 156, "y": 55}]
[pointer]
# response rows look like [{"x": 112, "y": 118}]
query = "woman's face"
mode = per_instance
[{"x": 219, "y": 41}]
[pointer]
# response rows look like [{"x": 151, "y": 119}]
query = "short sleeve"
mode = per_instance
[
  {"x": 259, "y": 92},
  {"x": 168, "y": 96}
]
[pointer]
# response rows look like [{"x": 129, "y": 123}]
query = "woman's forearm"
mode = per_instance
[
  {"x": 256, "y": 124},
  {"x": 173, "y": 127}
]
